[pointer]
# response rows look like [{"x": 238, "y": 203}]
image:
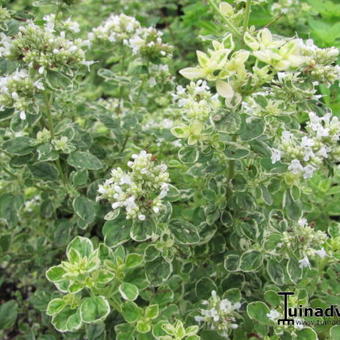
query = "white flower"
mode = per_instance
[
  {"x": 322, "y": 253},
  {"x": 141, "y": 217},
  {"x": 139, "y": 191},
  {"x": 39, "y": 85},
  {"x": 273, "y": 315},
  {"x": 308, "y": 171},
  {"x": 199, "y": 319},
  {"x": 276, "y": 156},
  {"x": 302, "y": 222},
  {"x": 219, "y": 315},
  {"x": 295, "y": 166},
  {"x": 22, "y": 115},
  {"x": 116, "y": 205},
  {"x": 307, "y": 142},
  {"x": 304, "y": 263}
]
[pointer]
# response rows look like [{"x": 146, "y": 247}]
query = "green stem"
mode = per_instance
[
  {"x": 9, "y": 172},
  {"x": 48, "y": 99},
  {"x": 58, "y": 10},
  {"x": 121, "y": 87},
  {"x": 274, "y": 20},
  {"x": 246, "y": 16},
  {"x": 115, "y": 303},
  {"x": 230, "y": 25},
  {"x": 231, "y": 164},
  {"x": 125, "y": 142}
]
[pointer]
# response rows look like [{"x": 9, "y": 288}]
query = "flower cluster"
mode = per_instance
[
  {"x": 199, "y": 105},
  {"x": 18, "y": 91},
  {"x": 42, "y": 49},
  {"x": 32, "y": 203},
  {"x": 320, "y": 62},
  {"x": 139, "y": 191},
  {"x": 148, "y": 43},
  {"x": 116, "y": 29},
  {"x": 123, "y": 29},
  {"x": 293, "y": 10},
  {"x": 305, "y": 242},
  {"x": 219, "y": 314},
  {"x": 196, "y": 100},
  {"x": 66, "y": 25},
  {"x": 307, "y": 152}
]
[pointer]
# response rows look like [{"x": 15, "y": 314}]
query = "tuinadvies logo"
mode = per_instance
[{"x": 297, "y": 312}]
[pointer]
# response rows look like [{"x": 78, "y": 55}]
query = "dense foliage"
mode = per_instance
[{"x": 168, "y": 167}]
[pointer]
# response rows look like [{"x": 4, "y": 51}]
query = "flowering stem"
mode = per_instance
[
  {"x": 246, "y": 16},
  {"x": 230, "y": 25}
]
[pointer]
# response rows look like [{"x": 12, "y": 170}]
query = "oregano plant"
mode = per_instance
[{"x": 167, "y": 180}]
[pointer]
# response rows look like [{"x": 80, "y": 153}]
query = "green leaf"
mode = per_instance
[
  {"x": 251, "y": 128},
  {"x": 55, "y": 274},
  {"x": 8, "y": 314},
  {"x": 19, "y": 145},
  {"x": 258, "y": 311},
  {"x": 79, "y": 178},
  {"x": 44, "y": 171},
  {"x": 125, "y": 331},
  {"x": 55, "y": 306},
  {"x": 68, "y": 320},
  {"x": 82, "y": 245},
  {"x": 94, "y": 309},
  {"x": 210, "y": 335},
  {"x": 84, "y": 160},
  {"x": 292, "y": 208},
  {"x": 142, "y": 230},
  {"x": 133, "y": 260},
  {"x": 334, "y": 332},
  {"x": 251, "y": 261},
  {"x": 128, "y": 291},
  {"x": 9, "y": 208},
  {"x": 188, "y": 154},
  {"x": 104, "y": 276},
  {"x": 46, "y": 152},
  {"x": 235, "y": 151},
  {"x": 204, "y": 286},
  {"x": 158, "y": 271},
  {"x": 275, "y": 271},
  {"x": 5, "y": 242},
  {"x": 131, "y": 312},
  {"x": 233, "y": 295},
  {"x": 152, "y": 311},
  {"x": 184, "y": 232},
  {"x": 307, "y": 334},
  {"x": 194, "y": 337},
  {"x": 117, "y": 231},
  {"x": 143, "y": 326},
  {"x": 231, "y": 262},
  {"x": 272, "y": 298},
  {"x": 293, "y": 269},
  {"x": 84, "y": 208}
]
